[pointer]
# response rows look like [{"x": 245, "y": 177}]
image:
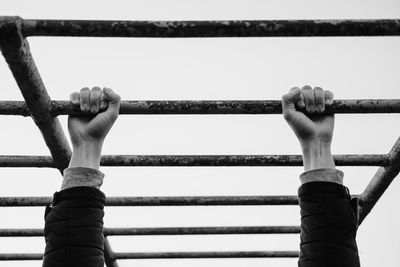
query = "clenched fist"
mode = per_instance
[
  {"x": 87, "y": 131},
  {"x": 101, "y": 108},
  {"x": 313, "y": 129}
]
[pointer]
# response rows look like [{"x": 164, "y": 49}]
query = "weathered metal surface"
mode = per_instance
[
  {"x": 27, "y": 161},
  {"x": 109, "y": 255},
  {"x": 21, "y": 256},
  {"x": 199, "y": 160},
  {"x": 352, "y": 106},
  {"x": 172, "y": 255},
  {"x": 18, "y": 56},
  {"x": 165, "y": 201},
  {"x": 211, "y": 254},
  {"x": 224, "y": 230},
  {"x": 380, "y": 182},
  {"x": 233, "y": 28}
]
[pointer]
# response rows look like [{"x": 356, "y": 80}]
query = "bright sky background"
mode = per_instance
[{"x": 207, "y": 69}]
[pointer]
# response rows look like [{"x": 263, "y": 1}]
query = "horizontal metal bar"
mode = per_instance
[
  {"x": 225, "y": 230},
  {"x": 348, "y": 106},
  {"x": 380, "y": 182},
  {"x": 165, "y": 201},
  {"x": 199, "y": 160},
  {"x": 21, "y": 256},
  {"x": 226, "y": 28},
  {"x": 170, "y": 255},
  {"x": 219, "y": 254}
]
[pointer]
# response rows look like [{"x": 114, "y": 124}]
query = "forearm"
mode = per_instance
[
  {"x": 317, "y": 155},
  {"x": 83, "y": 169},
  {"x": 74, "y": 228},
  {"x": 328, "y": 224}
]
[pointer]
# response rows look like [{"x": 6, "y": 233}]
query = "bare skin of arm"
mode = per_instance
[
  {"x": 314, "y": 131},
  {"x": 88, "y": 132}
]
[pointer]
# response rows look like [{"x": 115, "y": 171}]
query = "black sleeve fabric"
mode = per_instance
[
  {"x": 328, "y": 226},
  {"x": 74, "y": 228}
]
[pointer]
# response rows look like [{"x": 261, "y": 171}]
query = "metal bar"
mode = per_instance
[
  {"x": 199, "y": 160},
  {"x": 109, "y": 255},
  {"x": 224, "y": 230},
  {"x": 222, "y": 254},
  {"x": 380, "y": 182},
  {"x": 172, "y": 255},
  {"x": 16, "y": 51},
  {"x": 21, "y": 256},
  {"x": 226, "y": 28},
  {"x": 164, "y": 201},
  {"x": 353, "y": 106}
]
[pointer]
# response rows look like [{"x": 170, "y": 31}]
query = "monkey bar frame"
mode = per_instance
[{"x": 44, "y": 112}]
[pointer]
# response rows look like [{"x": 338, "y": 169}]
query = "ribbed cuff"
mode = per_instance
[
  {"x": 322, "y": 175},
  {"x": 81, "y": 176}
]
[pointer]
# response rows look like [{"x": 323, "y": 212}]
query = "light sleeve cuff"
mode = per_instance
[
  {"x": 82, "y": 176},
  {"x": 322, "y": 175}
]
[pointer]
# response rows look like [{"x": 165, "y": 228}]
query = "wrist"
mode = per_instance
[
  {"x": 86, "y": 154},
  {"x": 317, "y": 155}
]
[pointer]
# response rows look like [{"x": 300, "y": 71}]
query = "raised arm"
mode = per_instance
[
  {"x": 328, "y": 214},
  {"x": 74, "y": 221}
]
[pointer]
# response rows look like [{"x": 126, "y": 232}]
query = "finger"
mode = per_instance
[
  {"x": 289, "y": 100},
  {"x": 84, "y": 96},
  {"x": 103, "y": 102},
  {"x": 309, "y": 98},
  {"x": 114, "y": 102},
  {"x": 300, "y": 102},
  {"x": 74, "y": 98},
  {"x": 328, "y": 98},
  {"x": 319, "y": 97},
  {"x": 94, "y": 100}
]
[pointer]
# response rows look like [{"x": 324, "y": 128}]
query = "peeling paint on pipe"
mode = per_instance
[
  {"x": 227, "y": 28},
  {"x": 352, "y": 106},
  {"x": 199, "y": 160}
]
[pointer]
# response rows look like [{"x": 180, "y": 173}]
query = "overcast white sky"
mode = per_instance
[{"x": 206, "y": 69}]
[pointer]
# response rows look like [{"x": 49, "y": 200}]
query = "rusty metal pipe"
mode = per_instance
[
  {"x": 380, "y": 182},
  {"x": 223, "y": 230},
  {"x": 199, "y": 160},
  {"x": 226, "y": 28},
  {"x": 211, "y": 254},
  {"x": 347, "y": 106},
  {"x": 165, "y": 201},
  {"x": 170, "y": 255},
  {"x": 16, "y": 51}
]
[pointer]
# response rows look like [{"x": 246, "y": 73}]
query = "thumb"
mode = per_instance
[
  {"x": 114, "y": 101},
  {"x": 289, "y": 100}
]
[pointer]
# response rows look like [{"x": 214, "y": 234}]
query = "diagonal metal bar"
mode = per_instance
[
  {"x": 221, "y": 230},
  {"x": 348, "y": 106},
  {"x": 199, "y": 160},
  {"x": 165, "y": 201},
  {"x": 109, "y": 255},
  {"x": 380, "y": 182},
  {"x": 16, "y": 51},
  {"x": 237, "y": 28}
]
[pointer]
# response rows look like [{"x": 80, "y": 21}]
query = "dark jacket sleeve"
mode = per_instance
[
  {"x": 74, "y": 228},
  {"x": 328, "y": 226}
]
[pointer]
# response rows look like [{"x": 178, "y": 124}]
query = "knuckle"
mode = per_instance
[
  {"x": 85, "y": 90},
  {"x": 306, "y": 88},
  {"x": 318, "y": 89},
  {"x": 96, "y": 89}
]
